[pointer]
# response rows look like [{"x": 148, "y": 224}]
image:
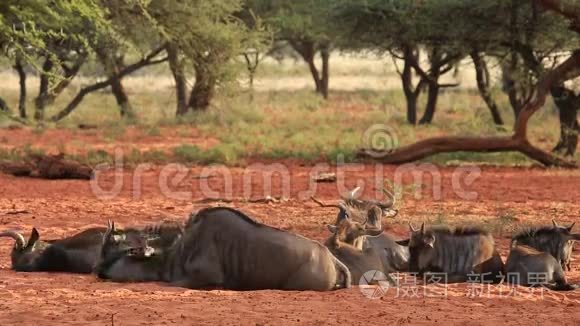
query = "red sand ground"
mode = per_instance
[{"x": 59, "y": 208}]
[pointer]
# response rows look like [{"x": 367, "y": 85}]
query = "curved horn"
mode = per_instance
[
  {"x": 423, "y": 227},
  {"x": 412, "y": 228},
  {"x": 353, "y": 192},
  {"x": 389, "y": 197},
  {"x": 20, "y": 241},
  {"x": 555, "y": 223},
  {"x": 571, "y": 226}
]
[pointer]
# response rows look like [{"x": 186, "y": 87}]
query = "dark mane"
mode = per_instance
[
  {"x": 540, "y": 231},
  {"x": 459, "y": 231},
  {"x": 163, "y": 226}
]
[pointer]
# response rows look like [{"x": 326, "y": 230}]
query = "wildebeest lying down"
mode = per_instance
[
  {"x": 342, "y": 244},
  {"x": 556, "y": 240},
  {"x": 463, "y": 254},
  {"x": 530, "y": 267},
  {"x": 394, "y": 256},
  {"x": 78, "y": 253},
  {"x": 222, "y": 247}
]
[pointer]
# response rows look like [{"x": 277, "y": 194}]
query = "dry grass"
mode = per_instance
[{"x": 286, "y": 119}]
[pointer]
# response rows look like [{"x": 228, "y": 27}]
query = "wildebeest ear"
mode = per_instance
[
  {"x": 575, "y": 236},
  {"x": 332, "y": 228},
  {"x": 34, "y": 236},
  {"x": 403, "y": 242}
]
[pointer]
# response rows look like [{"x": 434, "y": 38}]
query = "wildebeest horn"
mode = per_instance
[
  {"x": 412, "y": 228},
  {"x": 20, "y": 241},
  {"x": 423, "y": 227},
  {"x": 389, "y": 197},
  {"x": 571, "y": 226},
  {"x": 555, "y": 223},
  {"x": 353, "y": 192}
]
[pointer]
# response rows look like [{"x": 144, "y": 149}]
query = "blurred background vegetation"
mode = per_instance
[{"x": 227, "y": 81}]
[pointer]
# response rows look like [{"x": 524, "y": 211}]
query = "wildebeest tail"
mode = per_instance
[{"x": 344, "y": 270}]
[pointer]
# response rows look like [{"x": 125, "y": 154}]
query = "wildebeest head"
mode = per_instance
[
  {"x": 366, "y": 206},
  {"x": 118, "y": 244},
  {"x": 24, "y": 251},
  {"x": 348, "y": 230},
  {"x": 421, "y": 247},
  {"x": 123, "y": 254},
  {"x": 556, "y": 240}
]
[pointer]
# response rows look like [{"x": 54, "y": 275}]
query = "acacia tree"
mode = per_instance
[
  {"x": 56, "y": 32},
  {"x": 549, "y": 77},
  {"x": 402, "y": 29},
  {"x": 303, "y": 25}
]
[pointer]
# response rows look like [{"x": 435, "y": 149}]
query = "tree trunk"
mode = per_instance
[
  {"x": 176, "y": 67},
  {"x": 47, "y": 92},
  {"x": 307, "y": 49},
  {"x": 325, "y": 55},
  {"x": 483, "y": 85},
  {"x": 3, "y": 106},
  {"x": 203, "y": 89},
  {"x": 125, "y": 108},
  {"x": 433, "y": 87},
  {"x": 432, "y": 96},
  {"x": 19, "y": 67},
  {"x": 73, "y": 104},
  {"x": 411, "y": 93},
  {"x": 43, "y": 97},
  {"x": 568, "y": 104},
  {"x": 113, "y": 64}
]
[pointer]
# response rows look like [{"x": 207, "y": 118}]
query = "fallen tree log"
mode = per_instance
[
  {"x": 517, "y": 142},
  {"x": 47, "y": 167}
]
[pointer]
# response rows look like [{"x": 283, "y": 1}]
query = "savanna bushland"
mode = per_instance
[{"x": 441, "y": 84}]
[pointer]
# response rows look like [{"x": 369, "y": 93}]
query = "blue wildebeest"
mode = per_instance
[
  {"x": 530, "y": 267},
  {"x": 78, "y": 253},
  {"x": 343, "y": 241},
  {"x": 223, "y": 247},
  {"x": 556, "y": 240},
  {"x": 394, "y": 255},
  {"x": 463, "y": 254}
]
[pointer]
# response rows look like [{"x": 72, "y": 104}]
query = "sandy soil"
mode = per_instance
[{"x": 59, "y": 208}]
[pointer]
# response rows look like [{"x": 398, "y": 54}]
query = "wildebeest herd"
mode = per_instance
[{"x": 221, "y": 247}]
